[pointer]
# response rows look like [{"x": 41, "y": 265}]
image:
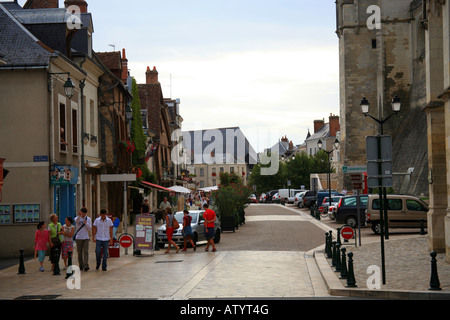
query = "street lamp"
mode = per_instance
[
  {"x": 69, "y": 87},
  {"x": 396, "y": 105},
  {"x": 335, "y": 147}
]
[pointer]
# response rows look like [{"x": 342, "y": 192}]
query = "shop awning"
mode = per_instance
[{"x": 155, "y": 186}]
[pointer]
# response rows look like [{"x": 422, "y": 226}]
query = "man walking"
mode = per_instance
[
  {"x": 210, "y": 218},
  {"x": 83, "y": 226},
  {"x": 102, "y": 234}
]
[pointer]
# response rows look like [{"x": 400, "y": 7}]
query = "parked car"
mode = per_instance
[
  {"x": 298, "y": 199},
  {"x": 262, "y": 198},
  {"x": 270, "y": 195},
  {"x": 331, "y": 209},
  {"x": 403, "y": 212},
  {"x": 346, "y": 211},
  {"x": 309, "y": 198},
  {"x": 276, "y": 198},
  {"x": 288, "y": 195},
  {"x": 321, "y": 194},
  {"x": 197, "y": 225},
  {"x": 252, "y": 199}
]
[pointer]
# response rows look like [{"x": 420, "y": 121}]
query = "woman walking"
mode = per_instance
[
  {"x": 54, "y": 228},
  {"x": 67, "y": 244},
  {"x": 170, "y": 229},
  {"x": 41, "y": 238}
]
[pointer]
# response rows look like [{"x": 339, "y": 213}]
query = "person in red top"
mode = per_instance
[{"x": 210, "y": 218}]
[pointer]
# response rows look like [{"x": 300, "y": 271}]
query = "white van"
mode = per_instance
[{"x": 288, "y": 195}]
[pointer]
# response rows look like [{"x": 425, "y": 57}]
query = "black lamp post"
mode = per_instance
[
  {"x": 396, "y": 105},
  {"x": 335, "y": 147}
]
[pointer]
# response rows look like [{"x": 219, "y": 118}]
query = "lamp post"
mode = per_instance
[
  {"x": 287, "y": 159},
  {"x": 335, "y": 147},
  {"x": 396, "y": 105}
]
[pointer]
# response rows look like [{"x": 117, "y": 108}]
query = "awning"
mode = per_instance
[
  {"x": 180, "y": 189},
  {"x": 155, "y": 186}
]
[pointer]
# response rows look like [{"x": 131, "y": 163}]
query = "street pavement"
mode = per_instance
[{"x": 294, "y": 267}]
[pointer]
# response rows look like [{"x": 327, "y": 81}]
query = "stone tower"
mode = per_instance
[{"x": 377, "y": 56}]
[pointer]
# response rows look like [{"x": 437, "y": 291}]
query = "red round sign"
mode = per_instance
[
  {"x": 126, "y": 241},
  {"x": 347, "y": 232},
  {"x": 321, "y": 209}
]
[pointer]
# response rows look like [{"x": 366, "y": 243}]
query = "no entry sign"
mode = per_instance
[
  {"x": 126, "y": 240},
  {"x": 347, "y": 232}
]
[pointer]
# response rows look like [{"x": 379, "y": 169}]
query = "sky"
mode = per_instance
[{"x": 270, "y": 67}]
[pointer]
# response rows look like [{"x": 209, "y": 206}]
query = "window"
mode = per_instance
[
  {"x": 231, "y": 169},
  {"x": 414, "y": 205},
  {"x": 393, "y": 204},
  {"x": 62, "y": 127},
  {"x": 74, "y": 131},
  {"x": 202, "y": 172},
  {"x": 221, "y": 169}
]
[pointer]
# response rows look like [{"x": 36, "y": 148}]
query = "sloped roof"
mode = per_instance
[
  {"x": 323, "y": 132},
  {"x": 18, "y": 45}
]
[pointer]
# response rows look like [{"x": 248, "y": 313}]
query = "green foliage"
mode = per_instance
[
  {"x": 137, "y": 132},
  {"x": 232, "y": 195}
]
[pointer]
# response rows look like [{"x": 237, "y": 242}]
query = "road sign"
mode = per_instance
[
  {"x": 347, "y": 232},
  {"x": 126, "y": 240},
  {"x": 372, "y": 148},
  {"x": 354, "y": 169}
]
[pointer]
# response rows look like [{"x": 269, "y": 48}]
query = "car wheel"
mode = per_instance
[
  {"x": 376, "y": 227},
  {"x": 217, "y": 236},
  {"x": 351, "y": 221}
]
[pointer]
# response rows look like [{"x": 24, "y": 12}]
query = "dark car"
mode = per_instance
[
  {"x": 346, "y": 211},
  {"x": 309, "y": 198},
  {"x": 322, "y": 194},
  {"x": 270, "y": 194}
]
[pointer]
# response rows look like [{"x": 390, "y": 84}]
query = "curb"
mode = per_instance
[{"x": 336, "y": 288}]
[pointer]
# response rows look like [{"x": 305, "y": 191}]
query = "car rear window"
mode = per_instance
[
  {"x": 393, "y": 204},
  {"x": 351, "y": 201}
]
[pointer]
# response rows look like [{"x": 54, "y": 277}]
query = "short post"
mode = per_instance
[
  {"x": 21, "y": 263},
  {"x": 422, "y": 227},
  {"x": 56, "y": 270},
  {"x": 330, "y": 239},
  {"x": 343, "y": 265},
  {"x": 333, "y": 260},
  {"x": 351, "y": 282},
  {"x": 156, "y": 242},
  {"x": 434, "y": 280},
  {"x": 326, "y": 242},
  {"x": 339, "y": 236},
  {"x": 338, "y": 257}
]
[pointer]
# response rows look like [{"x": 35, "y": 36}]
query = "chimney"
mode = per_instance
[
  {"x": 334, "y": 125},
  {"x": 124, "y": 76},
  {"x": 291, "y": 145},
  {"x": 79, "y": 3},
  {"x": 151, "y": 76},
  {"x": 318, "y": 124},
  {"x": 41, "y": 4}
]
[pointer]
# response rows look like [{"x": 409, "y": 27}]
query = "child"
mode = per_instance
[
  {"x": 67, "y": 244},
  {"x": 187, "y": 230},
  {"x": 41, "y": 238}
]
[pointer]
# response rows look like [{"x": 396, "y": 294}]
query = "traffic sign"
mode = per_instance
[
  {"x": 347, "y": 232},
  {"x": 126, "y": 240},
  {"x": 372, "y": 148},
  {"x": 354, "y": 169}
]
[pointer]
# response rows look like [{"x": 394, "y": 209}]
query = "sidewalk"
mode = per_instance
[{"x": 407, "y": 267}]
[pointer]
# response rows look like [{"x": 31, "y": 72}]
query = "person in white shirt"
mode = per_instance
[
  {"x": 102, "y": 234},
  {"x": 83, "y": 225}
]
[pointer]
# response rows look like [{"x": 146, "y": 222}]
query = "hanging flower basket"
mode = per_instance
[{"x": 128, "y": 145}]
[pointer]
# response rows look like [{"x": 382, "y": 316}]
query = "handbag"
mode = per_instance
[{"x": 175, "y": 224}]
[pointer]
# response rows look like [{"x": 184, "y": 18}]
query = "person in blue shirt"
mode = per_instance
[{"x": 116, "y": 223}]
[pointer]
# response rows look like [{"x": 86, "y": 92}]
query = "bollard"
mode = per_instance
[
  {"x": 339, "y": 236},
  {"x": 56, "y": 270},
  {"x": 21, "y": 263},
  {"x": 326, "y": 243},
  {"x": 69, "y": 264},
  {"x": 434, "y": 280},
  {"x": 422, "y": 229},
  {"x": 156, "y": 242},
  {"x": 333, "y": 258},
  {"x": 330, "y": 239},
  {"x": 343, "y": 265},
  {"x": 338, "y": 257},
  {"x": 351, "y": 282}
]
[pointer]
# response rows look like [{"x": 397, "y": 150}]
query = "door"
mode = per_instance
[
  {"x": 414, "y": 213},
  {"x": 64, "y": 202},
  {"x": 396, "y": 212}
]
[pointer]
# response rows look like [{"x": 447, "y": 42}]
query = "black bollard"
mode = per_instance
[
  {"x": 69, "y": 263},
  {"x": 56, "y": 270},
  {"x": 326, "y": 242},
  {"x": 434, "y": 280},
  {"x": 339, "y": 236},
  {"x": 330, "y": 239},
  {"x": 422, "y": 229},
  {"x": 343, "y": 265},
  {"x": 156, "y": 242},
  {"x": 333, "y": 251},
  {"x": 21, "y": 263},
  {"x": 338, "y": 257},
  {"x": 351, "y": 282}
]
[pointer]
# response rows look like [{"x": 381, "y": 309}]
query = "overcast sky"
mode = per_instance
[{"x": 267, "y": 66}]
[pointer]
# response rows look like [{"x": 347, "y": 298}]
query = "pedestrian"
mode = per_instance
[
  {"x": 187, "y": 230},
  {"x": 170, "y": 229},
  {"x": 210, "y": 218},
  {"x": 116, "y": 223},
  {"x": 102, "y": 234},
  {"x": 41, "y": 239},
  {"x": 83, "y": 226},
  {"x": 54, "y": 227},
  {"x": 67, "y": 244}
]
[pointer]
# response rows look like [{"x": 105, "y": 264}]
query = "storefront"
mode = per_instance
[{"x": 64, "y": 180}]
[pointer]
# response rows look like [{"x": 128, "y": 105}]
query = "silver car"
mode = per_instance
[{"x": 198, "y": 229}]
